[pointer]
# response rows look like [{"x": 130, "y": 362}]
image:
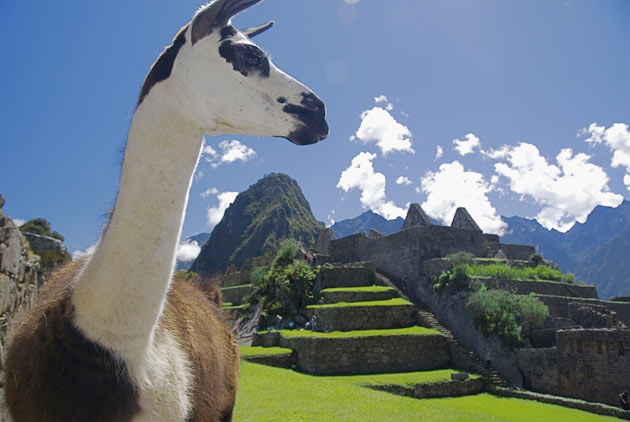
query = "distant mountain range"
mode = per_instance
[
  {"x": 596, "y": 251},
  {"x": 364, "y": 222},
  {"x": 272, "y": 209}
]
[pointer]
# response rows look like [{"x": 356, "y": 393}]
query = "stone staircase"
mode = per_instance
[
  {"x": 466, "y": 359},
  {"x": 367, "y": 327}
]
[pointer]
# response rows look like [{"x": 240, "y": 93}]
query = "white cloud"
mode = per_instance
[
  {"x": 187, "y": 250},
  {"x": 617, "y": 139},
  {"x": 361, "y": 175},
  {"x": 80, "y": 254},
  {"x": 403, "y": 180},
  {"x": 18, "y": 222},
  {"x": 467, "y": 145},
  {"x": 378, "y": 126},
  {"x": 208, "y": 192},
  {"x": 439, "y": 152},
  {"x": 567, "y": 192},
  {"x": 383, "y": 99},
  {"x": 330, "y": 218},
  {"x": 215, "y": 214},
  {"x": 209, "y": 150},
  {"x": 452, "y": 187},
  {"x": 231, "y": 151}
]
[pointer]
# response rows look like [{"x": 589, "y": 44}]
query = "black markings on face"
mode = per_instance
[
  {"x": 245, "y": 58},
  {"x": 281, "y": 100},
  {"x": 164, "y": 64},
  {"x": 227, "y": 32}
]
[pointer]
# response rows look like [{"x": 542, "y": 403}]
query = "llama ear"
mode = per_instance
[
  {"x": 216, "y": 15},
  {"x": 255, "y": 30}
]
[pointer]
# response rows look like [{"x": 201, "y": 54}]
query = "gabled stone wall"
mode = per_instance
[{"x": 590, "y": 364}]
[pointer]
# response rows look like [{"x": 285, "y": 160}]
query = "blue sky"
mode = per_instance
[{"x": 505, "y": 107}]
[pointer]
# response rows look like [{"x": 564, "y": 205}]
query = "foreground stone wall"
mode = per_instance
[
  {"x": 590, "y": 364},
  {"x": 19, "y": 281},
  {"x": 348, "y": 318},
  {"x": 365, "y": 355}
]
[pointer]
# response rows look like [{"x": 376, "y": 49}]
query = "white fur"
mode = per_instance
[{"x": 119, "y": 296}]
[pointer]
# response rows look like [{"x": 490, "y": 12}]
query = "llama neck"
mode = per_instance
[{"x": 120, "y": 294}]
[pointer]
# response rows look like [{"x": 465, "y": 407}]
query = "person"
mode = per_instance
[
  {"x": 310, "y": 325},
  {"x": 624, "y": 400},
  {"x": 314, "y": 260},
  {"x": 404, "y": 282},
  {"x": 488, "y": 360}
]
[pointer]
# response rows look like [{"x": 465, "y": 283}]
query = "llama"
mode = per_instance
[{"x": 114, "y": 338}]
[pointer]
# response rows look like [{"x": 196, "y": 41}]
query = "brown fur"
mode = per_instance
[{"x": 54, "y": 373}]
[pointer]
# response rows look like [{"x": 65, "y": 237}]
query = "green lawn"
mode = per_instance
[
  {"x": 273, "y": 394},
  {"x": 263, "y": 351},
  {"x": 243, "y": 306},
  {"x": 373, "y": 289},
  {"x": 407, "y": 379},
  {"x": 389, "y": 302},
  {"x": 236, "y": 287},
  {"x": 360, "y": 333}
]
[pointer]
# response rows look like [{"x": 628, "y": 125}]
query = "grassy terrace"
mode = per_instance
[
  {"x": 407, "y": 379},
  {"x": 263, "y": 351},
  {"x": 230, "y": 306},
  {"x": 389, "y": 302},
  {"x": 269, "y": 394},
  {"x": 236, "y": 287},
  {"x": 373, "y": 289},
  {"x": 409, "y": 331}
]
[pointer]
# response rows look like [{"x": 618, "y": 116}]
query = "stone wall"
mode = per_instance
[
  {"x": 592, "y": 316},
  {"x": 559, "y": 306},
  {"x": 525, "y": 287},
  {"x": 353, "y": 296},
  {"x": 19, "y": 280},
  {"x": 590, "y": 364},
  {"x": 234, "y": 277},
  {"x": 348, "y": 318},
  {"x": 364, "y": 355},
  {"x": 357, "y": 274}
]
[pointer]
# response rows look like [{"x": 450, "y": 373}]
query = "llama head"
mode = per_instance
[{"x": 221, "y": 81}]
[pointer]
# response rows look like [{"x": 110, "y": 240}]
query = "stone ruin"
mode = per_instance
[{"x": 585, "y": 342}]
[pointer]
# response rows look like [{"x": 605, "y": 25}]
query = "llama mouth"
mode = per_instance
[{"x": 305, "y": 135}]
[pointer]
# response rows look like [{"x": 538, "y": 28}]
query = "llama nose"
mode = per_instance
[
  {"x": 314, "y": 104},
  {"x": 311, "y": 112}
]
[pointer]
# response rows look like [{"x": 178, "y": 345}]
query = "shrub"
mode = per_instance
[
  {"x": 536, "y": 258},
  {"x": 505, "y": 315},
  {"x": 286, "y": 287},
  {"x": 40, "y": 226},
  {"x": 455, "y": 279},
  {"x": 540, "y": 272},
  {"x": 460, "y": 258}
]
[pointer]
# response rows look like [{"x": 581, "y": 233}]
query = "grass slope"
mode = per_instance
[
  {"x": 360, "y": 333},
  {"x": 269, "y": 394},
  {"x": 372, "y": 289},
  {"x": 264, "y": 351},
  {"x": 406, "y": 379},
  {"x": 388, "y": 302}
]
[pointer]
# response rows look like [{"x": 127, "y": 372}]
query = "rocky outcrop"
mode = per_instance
[
  {"x": 416, "y": 217},
  {"x": 51, "y": 251},
  {"x": 271, "y": 210},
  {"x": 19, "y": 276}
]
